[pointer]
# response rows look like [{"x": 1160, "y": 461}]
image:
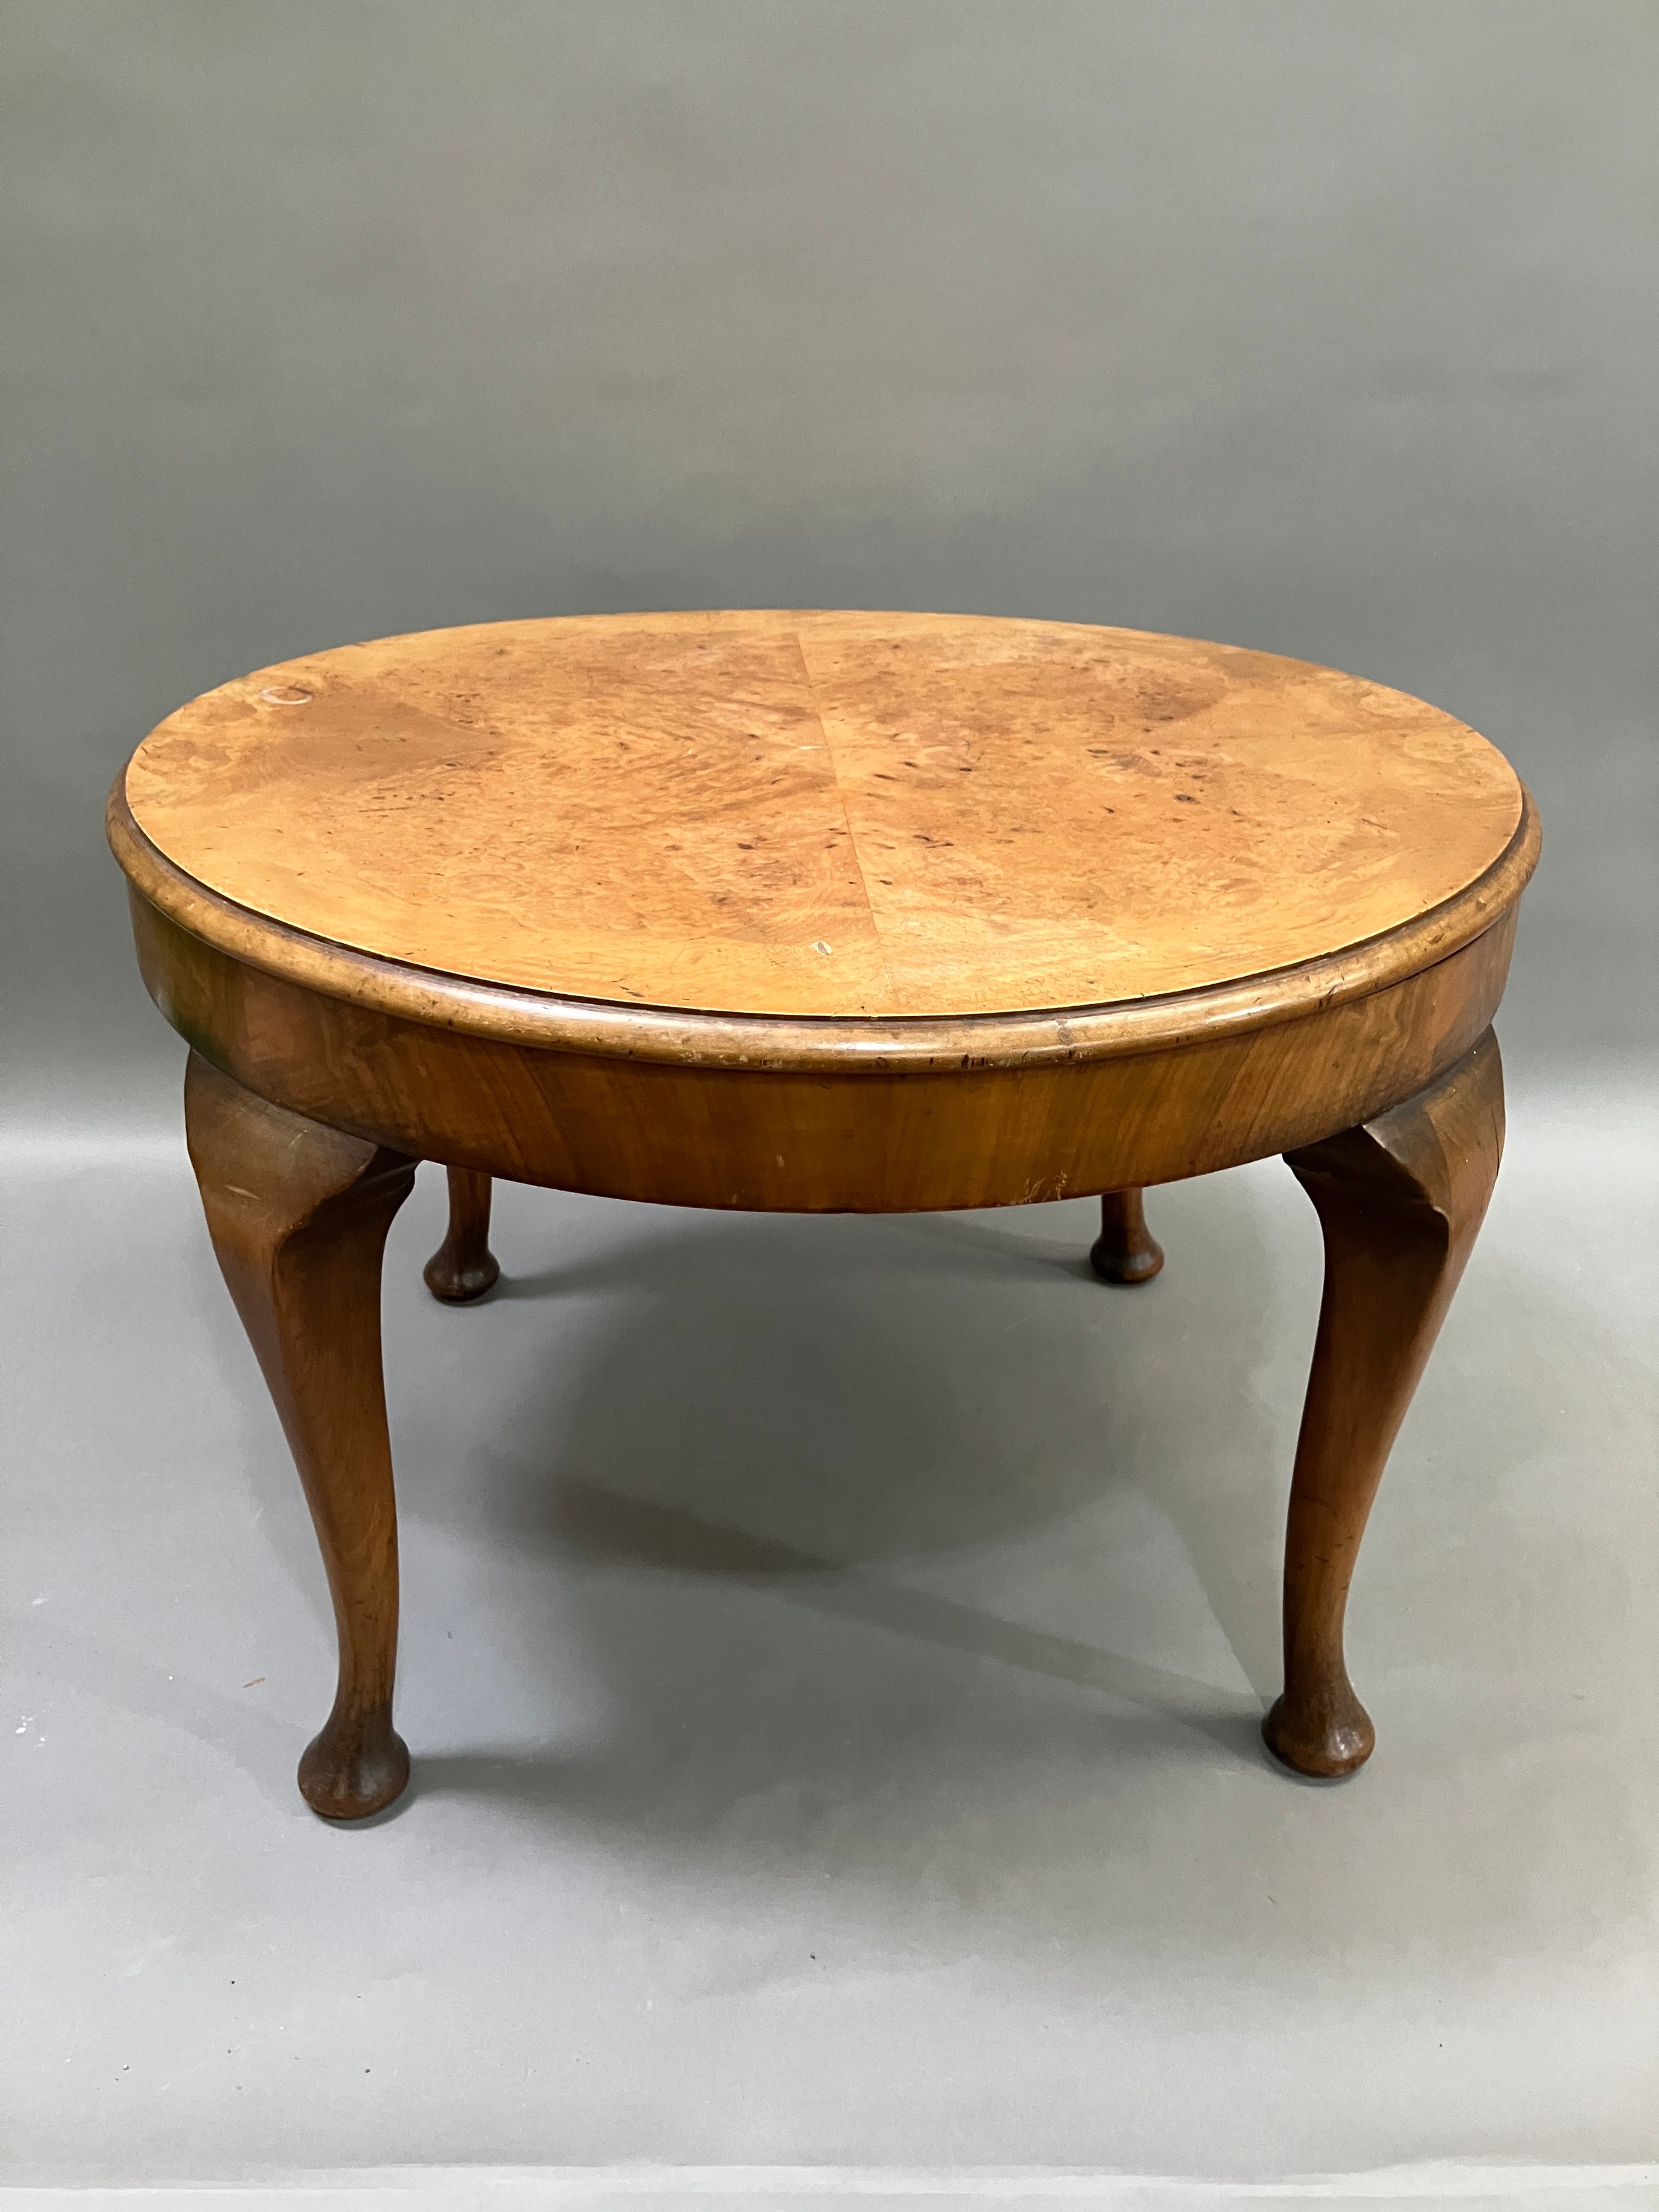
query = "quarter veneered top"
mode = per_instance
[{"x": 824, "y": 814}]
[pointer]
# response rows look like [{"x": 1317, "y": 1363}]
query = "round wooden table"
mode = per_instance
[{"x": 818, "y": 913}]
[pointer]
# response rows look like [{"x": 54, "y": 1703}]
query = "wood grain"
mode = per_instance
[
  {"x": 958, "y": 1133},
  {"x": 299, "y": 1215},
  {"x": 861, "y": 1045},
  {"x": 1401, "y": 1201},
  {"x": 822, "y": 913},
  {"x": 824, "y": 814}
]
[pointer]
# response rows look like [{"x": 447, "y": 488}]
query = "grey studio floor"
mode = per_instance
[{"x": 833, "y": 1652}]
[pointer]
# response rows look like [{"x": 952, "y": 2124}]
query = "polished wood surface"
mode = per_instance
[
  {"x": 1126, "y": 1251},
  {"x": 299, "y": 1214},
  {"x": 1399, "y": 1202},
  {"x": 826, "y": 815},
  {"x": 752, "y": 1044},
  {"x": 464, "y": 1269},
  {"x": 384, "y": 892},
  {"x": 964, "y": 1131}
]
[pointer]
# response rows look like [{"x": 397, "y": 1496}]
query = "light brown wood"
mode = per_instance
[
  {"x": 385, "y": 893},
  {"x": 1400, "y": 1203},
  {"x": 464, "y": 1269},
  {"x": 752, "y": 1044},
  {"x": 299, "y": 1215},
  {"x": 1126, "y": 1251},
  {"x": 826, "y": 815},
  {"x": 865, "y": 1139}
]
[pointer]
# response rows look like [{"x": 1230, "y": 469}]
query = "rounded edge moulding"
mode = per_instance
[
  {"x": 1150, "y": 684},
  {"x": 550, "y": 1024}
]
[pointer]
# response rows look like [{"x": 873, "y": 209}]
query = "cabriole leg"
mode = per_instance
[
  {"x": 299, "y": 1215},
  {"x": 1399, "y": 1202},
  {"x": 1125, "y": 1250},
  {"x": 464, "y": 1267}
]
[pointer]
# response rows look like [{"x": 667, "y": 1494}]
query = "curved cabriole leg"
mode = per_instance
[
  {"x": 464, "y": 1267},
  {"x": 299, "y": 1215},
  {"x": 1125, "y": 1250},
  {"x": 1399, "y": 1200}
]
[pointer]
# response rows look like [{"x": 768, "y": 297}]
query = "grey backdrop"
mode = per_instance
[
  {"x": 1324, "y": 328},
  {"x": 833, "y": 1652}
]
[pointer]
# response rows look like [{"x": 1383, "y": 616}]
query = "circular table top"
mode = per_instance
[{"x": 836, "y": 815}]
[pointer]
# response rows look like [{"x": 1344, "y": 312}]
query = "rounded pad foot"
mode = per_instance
[
  {"x": 1126, "y": 1251},
  {"x": 457, "y": 1283},
  {"x": 1329, "y": 1742},
  {"x": 1115, "y": 1265},
  {"x": 348, "y": 1773}
]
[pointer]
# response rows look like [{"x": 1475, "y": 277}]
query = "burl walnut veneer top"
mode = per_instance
[{"x": 824, "y": 814}]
